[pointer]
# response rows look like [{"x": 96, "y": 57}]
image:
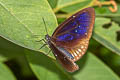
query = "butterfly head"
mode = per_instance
[{"x": 47, "y": 37}]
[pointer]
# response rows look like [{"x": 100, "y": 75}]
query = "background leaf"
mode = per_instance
[
  {"x": 72, "y": 5},
  {"x": 9, "y": 50},
  {"x": 13, "y": 56},
  {"x": 104, "y": 11},
  {"x": 107, "y": 35},
  {"x": 53, "y": 3},
  {"x": 20, "y": 21},
  {"x": 45, "y": 68},
  {"x": 90, "y": 66},
  {"x": 5, "y": 73},
  {"x": 94, "y": 69}
]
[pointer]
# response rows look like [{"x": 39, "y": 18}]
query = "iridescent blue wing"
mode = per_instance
[
  {"x": 74, "y": 33},
  {"x": 78, "y": 26}
]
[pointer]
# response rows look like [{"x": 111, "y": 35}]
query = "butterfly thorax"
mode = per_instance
[{"x": 48, "y": 39}]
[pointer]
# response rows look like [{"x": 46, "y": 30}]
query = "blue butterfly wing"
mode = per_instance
[
  {"x": 74, "y": 33},
  {"x": 76, "y": 28}
]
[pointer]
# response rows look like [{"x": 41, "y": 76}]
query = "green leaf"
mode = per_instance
[
  {"x": 107, "y": 35},
  {"x": 104, "y": 11},
  {"x": 21, "y": 20},
  {"x": 53, "y": 3},
  {"x": 45, "y": 68},
  {"x": 73, "y": 5},
  {"x": 9, "y": 50},
  {"x": 91, "y": 68},
  {"x": 5, "y": 73}
]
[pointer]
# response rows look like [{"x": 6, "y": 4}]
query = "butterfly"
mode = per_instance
[{"x": 70, "y": 40}]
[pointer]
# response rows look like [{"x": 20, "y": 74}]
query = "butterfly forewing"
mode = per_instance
[{"x": 75, "y": 29}]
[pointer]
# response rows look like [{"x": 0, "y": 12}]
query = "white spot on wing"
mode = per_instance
[
  {"x": 56, "y": 55},
  {"x": 75, "y": 54},
  {"x": 85, "y": 47},
  {"x": 73, "y": 16},
  {"x": 82, "y": 47},
  {"x": 82, "y": 53},
  {"x": 79, "y": 50},
  {"x": 85, "y": 33},
  {"x": 77, "y": 57}
]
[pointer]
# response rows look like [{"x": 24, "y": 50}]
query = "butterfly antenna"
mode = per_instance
[{"x": 45, "y": 25}]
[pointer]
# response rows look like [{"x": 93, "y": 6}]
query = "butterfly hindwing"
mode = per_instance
[
  {"x": 78, "y": 52},
  {"x": 63, "y": 59}
]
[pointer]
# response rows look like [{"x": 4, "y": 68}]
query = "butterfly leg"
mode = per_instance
[
  {"x": 41, "y": 40},
  {"x": 49, "y": 52},
  {"x": 37, "y": 36},
  {"x": 42, "y": 46}
]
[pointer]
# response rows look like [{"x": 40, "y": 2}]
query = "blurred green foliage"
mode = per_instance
[{"x": 21, "y": 25}]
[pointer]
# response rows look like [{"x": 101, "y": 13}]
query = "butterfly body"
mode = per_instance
[{"x": 70, "y": 40}]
